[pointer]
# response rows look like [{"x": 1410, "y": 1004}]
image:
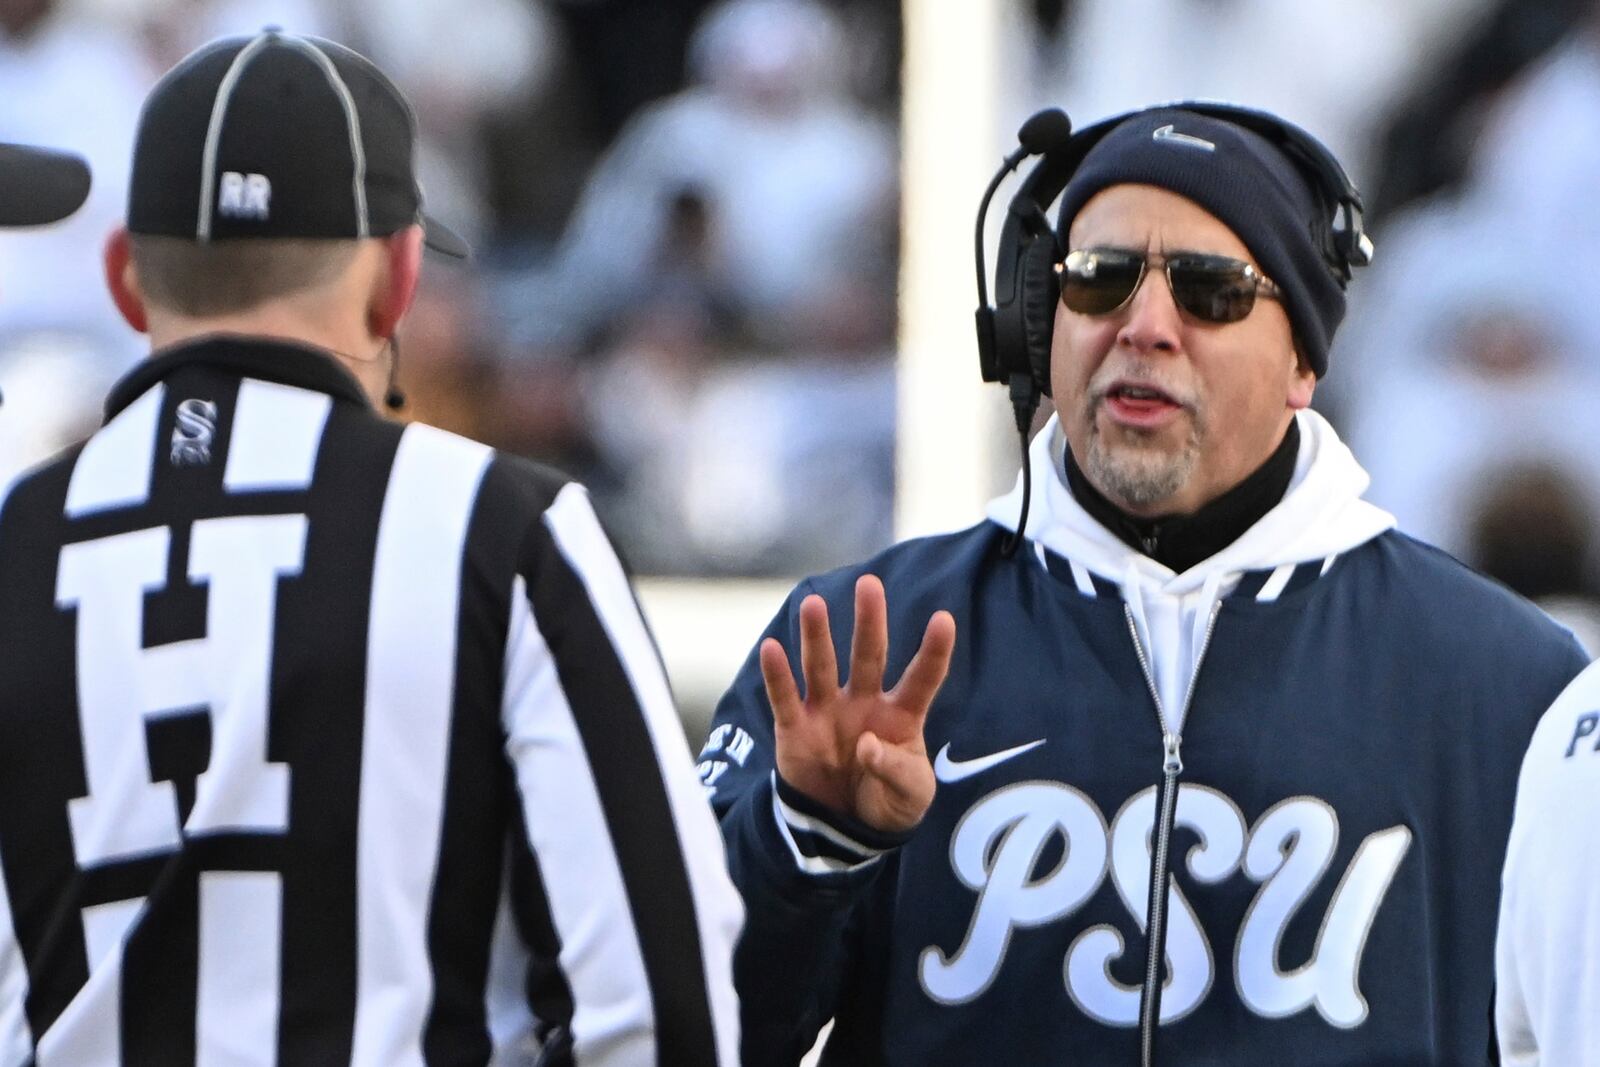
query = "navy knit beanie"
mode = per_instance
[{"x": 1242, "y": 179}]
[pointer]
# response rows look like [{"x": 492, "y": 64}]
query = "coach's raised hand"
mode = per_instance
[{"x": 848, "y": 744}]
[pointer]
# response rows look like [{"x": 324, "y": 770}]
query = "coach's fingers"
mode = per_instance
[
  {"x": 782, "y": 693},
  {"x": 869, "y": 642},
  {"x": 927, "y": 670},
  {"x": 817, "y": 661}
]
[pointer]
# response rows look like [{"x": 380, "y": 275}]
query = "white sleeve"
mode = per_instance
[
  {"x": 630, "y": 858},
  {"x": 1547, "y": 954}
]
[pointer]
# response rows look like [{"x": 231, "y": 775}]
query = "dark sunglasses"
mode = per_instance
[{"x": 1098, "y": 281}]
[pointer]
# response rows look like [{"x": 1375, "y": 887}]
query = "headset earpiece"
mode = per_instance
[{"x": 1040, "y": 291}]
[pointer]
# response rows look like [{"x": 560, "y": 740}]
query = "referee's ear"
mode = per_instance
[
  {"x": 396, "y": 286},
  {"x": 122, "y": 278}
]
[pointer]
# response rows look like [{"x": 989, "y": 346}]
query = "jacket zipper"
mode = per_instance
[{"x": 1171, "y": 768}]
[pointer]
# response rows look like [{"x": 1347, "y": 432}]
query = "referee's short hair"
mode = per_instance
[{"x": 229, "y": 277}]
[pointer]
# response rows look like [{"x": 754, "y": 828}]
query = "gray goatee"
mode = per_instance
[{"x": 1135, "y": 472}]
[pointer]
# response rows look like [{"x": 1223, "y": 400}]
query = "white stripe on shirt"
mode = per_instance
[
  {"x": 16, "y": 1039},
  {"x": 277, "y": 432},
  {"x": 239, "y": 969},
  {"x": 613, "y": 1019},
  {"x": 89, "y": 1030},
  {"x": 405, "y": 743},
  {"x": 505, "y": 994},
  {"x": 1276, "y": 583},
  {"x": 719, "y": 912},
  {"x": 114, "y": 468}
]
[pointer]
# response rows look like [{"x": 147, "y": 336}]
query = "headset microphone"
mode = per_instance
[
  {"x": 1045, "y": 132},
  {"x": 394, "y": 399}
]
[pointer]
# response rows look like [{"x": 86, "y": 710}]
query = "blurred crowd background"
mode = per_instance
[{"x": 686, "y": 221}]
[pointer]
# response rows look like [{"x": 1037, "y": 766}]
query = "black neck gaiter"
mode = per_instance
[{"x": 1181, "y": 541}]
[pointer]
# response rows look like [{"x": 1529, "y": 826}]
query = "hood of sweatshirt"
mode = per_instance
[{"x": 1321, "y": 515}]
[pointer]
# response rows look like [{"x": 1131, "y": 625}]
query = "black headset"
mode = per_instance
[{"x": 1014, "y": 333}]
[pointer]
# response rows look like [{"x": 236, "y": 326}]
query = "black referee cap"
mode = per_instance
[
  {"x": 278, "y": 136},
  {"x": 39, "y": 186}
]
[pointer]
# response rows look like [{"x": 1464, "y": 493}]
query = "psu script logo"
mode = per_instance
[{"x": 995, "y": 852}]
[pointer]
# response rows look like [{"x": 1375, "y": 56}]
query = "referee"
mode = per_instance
[{"x": 325, "y": 740}]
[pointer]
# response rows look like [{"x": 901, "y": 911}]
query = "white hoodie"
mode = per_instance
[{"x": 1320, "y": 516}]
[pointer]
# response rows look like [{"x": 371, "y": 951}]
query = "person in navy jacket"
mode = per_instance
[
  {"x": 1217, "y": 769},
  {"x": 1547, "y": 958}
]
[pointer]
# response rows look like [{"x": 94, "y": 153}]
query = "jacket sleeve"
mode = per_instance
[
  {"x": 1547, "y": 977},
  {"x": 631, "y": 875},
  {"x": 801, "y": 870}
]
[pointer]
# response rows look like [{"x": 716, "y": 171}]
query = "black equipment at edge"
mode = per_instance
[{"x": 394, "y": 398}]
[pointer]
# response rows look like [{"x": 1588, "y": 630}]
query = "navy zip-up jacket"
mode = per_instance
[{"x": 1349, "y": 753}]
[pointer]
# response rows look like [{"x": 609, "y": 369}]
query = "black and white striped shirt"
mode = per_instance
[{"x": 326, "y": 740}]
